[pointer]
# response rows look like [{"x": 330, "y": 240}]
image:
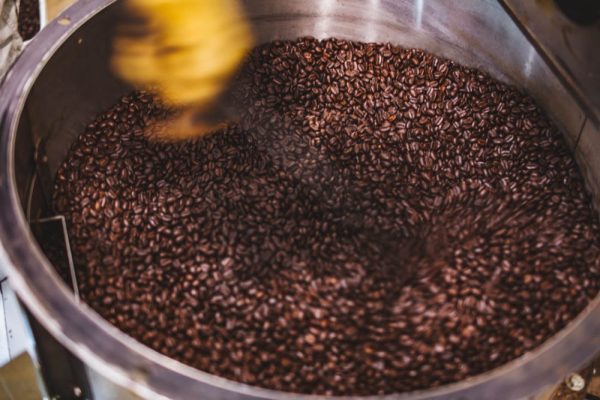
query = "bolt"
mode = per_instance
[{"x": 575, "y": 382}]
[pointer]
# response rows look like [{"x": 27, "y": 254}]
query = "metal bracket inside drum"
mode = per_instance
[
  {"x": 48, "y": 230},
  {"x": 46, "y": 236}
]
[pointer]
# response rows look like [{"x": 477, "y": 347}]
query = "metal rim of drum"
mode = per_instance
[{"x": 144, "y": 371}]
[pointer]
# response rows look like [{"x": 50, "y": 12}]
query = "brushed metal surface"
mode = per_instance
[
  {"x": 571, "y": 49},
  {"x": 62, "y": 81}
]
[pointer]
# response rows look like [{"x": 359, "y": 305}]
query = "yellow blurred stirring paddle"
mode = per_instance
[{"x": 187, "y": 51}]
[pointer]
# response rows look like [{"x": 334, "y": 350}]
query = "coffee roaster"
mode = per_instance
[{"x": 548, "y": 48}]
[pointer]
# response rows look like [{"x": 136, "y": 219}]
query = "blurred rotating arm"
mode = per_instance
[{"x": 186, "y": 50}]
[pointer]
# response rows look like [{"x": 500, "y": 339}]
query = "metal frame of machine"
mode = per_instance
[{"x": 119, "y": 367}]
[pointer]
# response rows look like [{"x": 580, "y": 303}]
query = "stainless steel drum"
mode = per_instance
[{"x": 62, "y": 81}]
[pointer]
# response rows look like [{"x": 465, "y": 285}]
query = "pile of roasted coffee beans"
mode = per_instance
[
  {"x": 28, "y": 18},
  {"x": 379, "y": 220}
]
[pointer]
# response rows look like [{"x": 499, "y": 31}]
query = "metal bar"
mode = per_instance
[
  {"x": 67, "y": 241},
  {"x": 30, "y": 196},
  {"x": 4, "y": 352}
]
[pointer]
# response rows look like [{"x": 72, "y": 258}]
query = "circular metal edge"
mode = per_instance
[{"x": 129, "y": 363}]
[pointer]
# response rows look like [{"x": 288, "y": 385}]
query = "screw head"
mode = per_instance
[{"x": 575, "y": 382}]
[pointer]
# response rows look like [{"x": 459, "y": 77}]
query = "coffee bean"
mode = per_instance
[{"x": 379, "y": 220}]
